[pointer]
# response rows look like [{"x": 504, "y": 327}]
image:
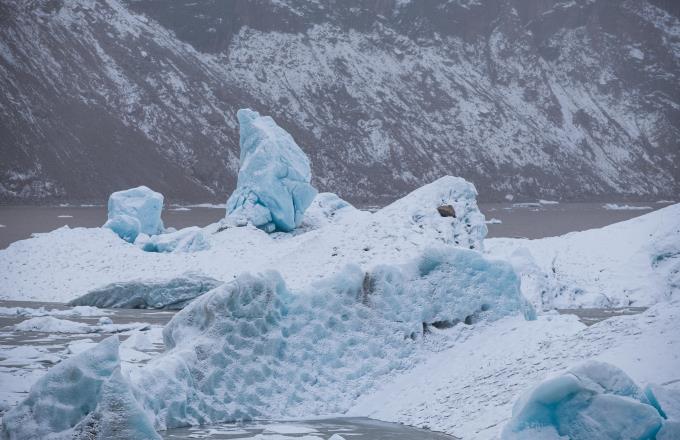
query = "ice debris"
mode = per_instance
[
  {"x": 83, "y": 397},
  {"x": 191, "y": 239},
  {"x": 171, "y": 294},
  {"x": 135, "y": 211},
  {"x": 326, "y": 209},
  {"x": 593, "y": 400},
  {"x": 273, "y": 188},
  {"x": 417, "y": 213},
  {"x": 252, "y": 348},
  {"x": 667, "y": 402},
  {"x": 50, "y": 324}
]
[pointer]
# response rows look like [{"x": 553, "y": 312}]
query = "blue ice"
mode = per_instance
[
  {"x": 273, "y": 189},
  {"x": 593, "y": 400},
  {"x": 135, "y": 211}
]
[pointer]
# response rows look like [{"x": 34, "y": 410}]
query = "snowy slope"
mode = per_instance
[
  {"x": 631, "y": 263},
  {"x": 468, "y": 390},
  {"x": 554, "y": 99}
]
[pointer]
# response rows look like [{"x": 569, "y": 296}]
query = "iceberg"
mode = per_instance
[
  {"x": 191, "y": 239},
  {"x": 135, "y": 211},
  {"x": 273, "y": 188},
  {"x": 171, "y": 294},
  {"x": 83, "y": 397},
  {"x": 593, "y": 400},
  {"x": 445, "y": 209},
  {"x": 253, "y": 348}
]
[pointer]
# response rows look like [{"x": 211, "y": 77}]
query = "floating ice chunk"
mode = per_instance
[
  {"x": 117, "y": 415},
  {"x": 50, "y": 324},
  {"x": 593, "y": 400},
  {"x": 273, "y": 189},
  {"x": 135, "y": 211},
  {"x": 189, "y": 239},
  {"x": 75, "y": 311},
  {"x": 149, "y": 294},
  {"x": 417, "y": 213},
  {"x": 63, "y": 396},
  {"x": 252, "y": 348},
  {"x": 615, "y": 207}
]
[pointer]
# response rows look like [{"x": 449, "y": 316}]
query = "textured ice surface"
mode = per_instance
[
  {"x": 416, "y": 213},
  {"x": 77, "y": 394},
  {"x": 273, "y": 189},
  {"x": 189, "y": 239},
  {"x": 667, "y": 402},
  {"x": 135, "y": 211},
  {"x": 173, "y": 294},
  {"x": 593, "y": 400},
  {"x": 252, "y": 348},
  {"x": 325, "y": 209}
]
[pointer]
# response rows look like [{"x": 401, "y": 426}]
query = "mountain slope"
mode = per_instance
[{"x": 571, "y": 100}]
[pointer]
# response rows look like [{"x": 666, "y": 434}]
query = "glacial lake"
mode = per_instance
[{"x": 528, "y": 220}]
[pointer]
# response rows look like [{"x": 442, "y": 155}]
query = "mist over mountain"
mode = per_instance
[{"x": 571, "y": 100}]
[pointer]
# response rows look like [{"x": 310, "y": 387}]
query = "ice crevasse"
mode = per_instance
[{"x": 273, "y": 188}]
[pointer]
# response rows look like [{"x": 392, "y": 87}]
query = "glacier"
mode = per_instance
[
  {"x": 592, "y": 400},
  {"x": 173, "y": 293},
  {"x": 135, "y": 211},
  {"x": 83, "y": 397},
  {"x": 254, "y": 348},
  {"x": 273, "y": 188}
]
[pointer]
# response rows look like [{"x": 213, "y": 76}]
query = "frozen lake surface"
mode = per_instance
[{"x": 528, "y": 220}]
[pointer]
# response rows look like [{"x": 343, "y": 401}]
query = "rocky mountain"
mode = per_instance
[{"x": 572, "y": 100}]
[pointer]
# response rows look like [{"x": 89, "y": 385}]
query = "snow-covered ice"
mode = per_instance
[
  {"x": 273, "y": 188},
  {"x": 592, "y": 400},
  {"x": 50, "y": 324},
  {"x": 134, "y": 211},
  {"x": 253, "y": 348},
  {"x": 174, "y": 293},
  {"x": 616, "y": 207},
  {"x": 191, "y": 239},
  {"x": 631, "y": 263},
  {"x": 83, "y": 397},
  {"x": 67, "y": 263}
]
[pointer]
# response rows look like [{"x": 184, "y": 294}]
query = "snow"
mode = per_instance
[
  {"x": 75, "y": 311},
  {"x": 191, "y": 239},
  {"x": 273, "y": 188},
  {"x": 135, "y": 211},
  {"x": 67, "y": 263},
  {"x": 149, "y": 293},
  {"x": 50, "y": 324},
  {"x": 616, "y": 207},
  {"x": 468, "y": 389},
  {"x": 254, "y": 348},
  {"x": 631, "y": 263}
]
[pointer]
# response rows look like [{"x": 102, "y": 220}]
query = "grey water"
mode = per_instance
[
  {"x": 346, "y": 427},
  {"x": 516, "y": 220}
]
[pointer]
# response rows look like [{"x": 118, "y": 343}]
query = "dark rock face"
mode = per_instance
[{"x": 536, "y": 98}]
